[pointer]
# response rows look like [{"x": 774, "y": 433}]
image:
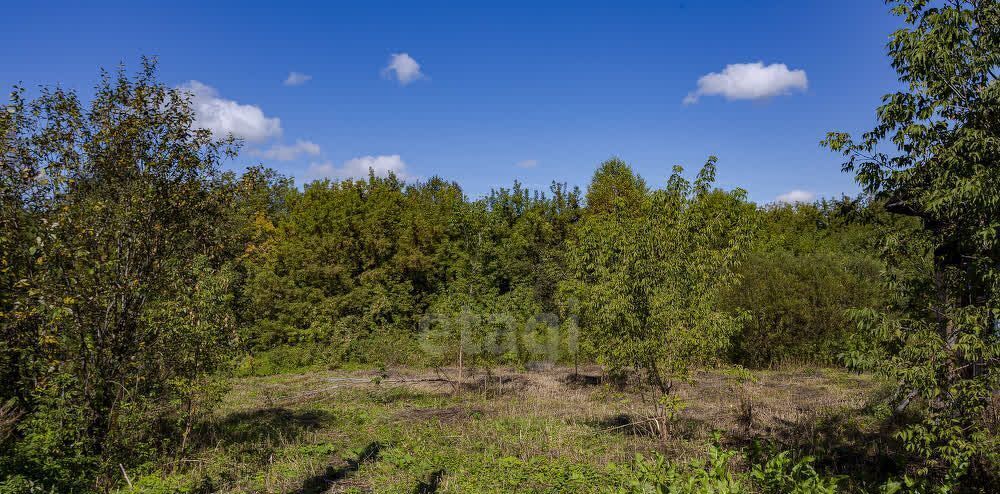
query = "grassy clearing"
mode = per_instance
[{"x": 411, "y": 431}]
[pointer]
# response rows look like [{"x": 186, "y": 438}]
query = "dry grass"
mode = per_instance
[{"x": 361, "y": 431}]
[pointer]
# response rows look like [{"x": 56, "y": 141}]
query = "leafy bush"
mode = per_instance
[
  {"x": 126, "y": 304},
  {"x": 931, "y": 157},
  {"x": 782, "y": 474},
  {"x": 714, "y": 474},
  {"x": 701, "y": 476},
  {"x": 809, "y": 265},
  {"x": 650, "y": 268}
]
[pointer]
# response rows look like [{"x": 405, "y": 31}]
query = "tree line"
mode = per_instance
[{"x": 137, "y": 273}]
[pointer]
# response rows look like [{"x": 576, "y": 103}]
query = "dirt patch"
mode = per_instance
[
  {"x": 624, "y": 423},
  {"x": 583, "y": 380},
  {"x": 339, "y": 476},
  {"x": 499, "y": 384}
]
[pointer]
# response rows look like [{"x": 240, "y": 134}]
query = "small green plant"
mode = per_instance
[
  {"x": 742, "y": 374},
  {"x": 667, "y": 409},
  {"x": 783, "y": 474},
  {"x": 743, "y": 389},
  {"x": 710, "y": 475}
]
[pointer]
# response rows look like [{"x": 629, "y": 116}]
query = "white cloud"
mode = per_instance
[
  {"x": 526, "y": 164},
  {"x": 358, "y": 168},
  {"x": 297, "y": 79},
  {"x": 794, "y": 196},
  {"x": 403, "y": 67},
  {"x": 288, "y": 152},
  {"x": 749, "y": 81},
  {"x": 223, "y": 116}
]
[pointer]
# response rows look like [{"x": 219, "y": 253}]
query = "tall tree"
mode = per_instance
[
  {"x": 650, "y": 269},
  {"x": 944, "y": 168},
  {"x": 125, "y": 199}
]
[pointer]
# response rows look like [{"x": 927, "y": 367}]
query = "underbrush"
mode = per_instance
[
  {"x": 782, "y": 473},
  {"x": 309, "y": 357}
]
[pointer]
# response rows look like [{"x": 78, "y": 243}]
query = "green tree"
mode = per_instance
[
  {"x": 506, "y": 282},
  {"x": 650, "y": 270},
  {"x": 128, "y": 285},
  {"x": 21, "y": 347},
  {"x": 809, "y": 264},
  {"x": 944, "y": 130},
  {"x": 350, "y": 266},
  {"x": 616, "y": 188}
]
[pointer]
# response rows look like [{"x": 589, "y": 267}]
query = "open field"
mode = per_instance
[
  {"x": 404, "y": 430},
  {"x": 372, "y": 275}
]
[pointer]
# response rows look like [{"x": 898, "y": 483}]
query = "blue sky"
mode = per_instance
[{"x": 515, "y": 90}]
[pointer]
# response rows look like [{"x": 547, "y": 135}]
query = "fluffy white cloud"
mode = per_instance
[
  {"x": 288, "y": 152},
  {"x": 526, "y": 164},
  {"x": 297, "y": 79},
  {"x": 794, "y": 196},
  {"x": 223, "y": 116},
  {"x": 402, "y": 67},
  {"x": 749, "y": 81},
  {"x": 358, "y": 168}
]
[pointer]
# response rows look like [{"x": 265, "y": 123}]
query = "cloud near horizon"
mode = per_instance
[
  {"x": 749, "y": 81},
  {"x": 526, "y": 164},
  {"x": 297, "y": 79},
  {"x": 288, "y": 152},
  {"x": 358, "y": 168},
  {"x": 796, "y": 196},
  {"x": 223, "y": 116},
  {"x": 403, "y": 68}
]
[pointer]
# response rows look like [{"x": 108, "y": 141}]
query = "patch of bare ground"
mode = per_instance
[
  {"x": 339, "y": 476},
  {"x": 713, "y": 400},
  {"x": 771, "y": 402},
  {"x": 572, "y": 415}
]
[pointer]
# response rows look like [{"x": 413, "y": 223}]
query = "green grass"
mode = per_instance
[{"x": 351, "y": 431}]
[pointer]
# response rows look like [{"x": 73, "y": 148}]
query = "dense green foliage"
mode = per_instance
[
  {"x": 778, "y": 474},
  {"x": 117, "y": 286},
  {"x": 650, "y": 267},
  {"x": 361, "y": 265},
  {"x": 942, "y": 344},
  {"x": 135, "y": 272},
  {"x": 136, "y": 276},
  {"x": 808, "y": 263}
]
